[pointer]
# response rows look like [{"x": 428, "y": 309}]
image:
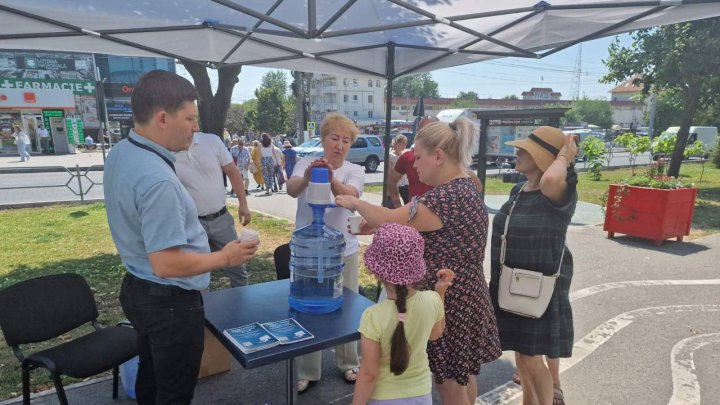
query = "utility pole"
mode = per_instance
[
  {"x": 577, "y": 71},
  {"x": 651, "y": 124}
]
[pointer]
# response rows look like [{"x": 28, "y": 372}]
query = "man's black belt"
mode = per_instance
[{"x": 215, "y": 215}]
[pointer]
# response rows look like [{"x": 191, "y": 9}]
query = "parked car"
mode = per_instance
[
  {"x": 307, "y": 146},
  {"x": 367, "y": 151}
]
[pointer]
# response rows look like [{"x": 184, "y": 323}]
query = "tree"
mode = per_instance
[
  {"x": 635, "y": 145},
  {"x": 463, "y": 103},
  {"x": 511, "y": 97},
  {"x": 249, "y": 108},
  {"x": 275, "y": 78},
  {"x": 235, "y": 120},
  {"x": 681, "y": 58},
  {"x": 418, "y": 85},
  {"x": 668, "y": 111},
  {"x": 271, "y": 111},
  {"x": 594, "y": 150},
  {"x": 213, "y": 108},
  {"x": 465, "y": 99},
  {"x": 271, "y": 114},
  {"x": 467, "y": 95},
  {"x": 596, "y": 112}
]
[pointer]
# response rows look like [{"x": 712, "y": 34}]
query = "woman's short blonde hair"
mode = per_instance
[
  {"x": 399, "y": 138},
  {"x": 335, "y": 122}
]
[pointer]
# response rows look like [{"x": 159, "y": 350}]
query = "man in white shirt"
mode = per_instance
[
  {"x": 200, "y": 169},
  {"x": 44, "y": 139}
]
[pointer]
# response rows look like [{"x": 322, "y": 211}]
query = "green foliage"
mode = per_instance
[
  {"x": 635, "y": 146},
  {"x": 417, "y": 85},
  {"x": 511, "y": 97},
  {"x": 661, "y": 182},
  {"x": 596, "y": 112},
  {"x": 467, "y": 95},
  {"x": 664, "y": 144},
  {"x": 695, "y": 149},
  {"x": 594, "y": 150},
  {"x": 235, "y": 120},
  {"x": 716, "y": 156},
  {"x": 271, "y": 112},
  {"x": 680, "y": 59},
  {"x": 463, "y": 103},
  {"x": 275, "y": 78}
]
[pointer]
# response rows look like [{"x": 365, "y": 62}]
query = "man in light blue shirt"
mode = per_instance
[{"x": 155, "y": 227}]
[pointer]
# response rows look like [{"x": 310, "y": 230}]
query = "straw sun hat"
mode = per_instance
[{"x": 543, "y": 144}]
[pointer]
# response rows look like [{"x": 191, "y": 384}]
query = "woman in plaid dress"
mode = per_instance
[{"x": 536, "y": 241}]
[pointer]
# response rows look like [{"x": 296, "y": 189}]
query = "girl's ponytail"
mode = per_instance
[{"x": 399, "y": 350}]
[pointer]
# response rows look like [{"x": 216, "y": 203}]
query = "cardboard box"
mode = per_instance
[{"x": 215, "y": 359}]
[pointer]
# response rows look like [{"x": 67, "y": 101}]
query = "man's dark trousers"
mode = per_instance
[{"x": 170, "y": 322}]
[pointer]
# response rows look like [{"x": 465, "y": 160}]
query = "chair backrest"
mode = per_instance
[
  {"x": 42, "y": 308},
  {"x": 282, "y": 261}
]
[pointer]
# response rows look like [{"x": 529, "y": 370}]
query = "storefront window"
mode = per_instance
[{"x": 121, "y": 69}]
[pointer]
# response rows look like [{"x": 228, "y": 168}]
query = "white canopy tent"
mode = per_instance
[
  {"x": 382, "y": 38},
  {"x": 331, "y": 36}
]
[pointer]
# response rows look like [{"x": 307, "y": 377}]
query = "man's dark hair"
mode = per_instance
[{"x": 160, "y": 90}]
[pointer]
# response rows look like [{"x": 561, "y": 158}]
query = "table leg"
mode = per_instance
[{"x": 291, "y": 382}]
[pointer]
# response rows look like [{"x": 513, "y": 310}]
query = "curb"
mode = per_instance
[{"x": 37, "y": 204}]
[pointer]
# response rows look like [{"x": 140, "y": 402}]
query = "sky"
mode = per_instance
[{"x": 492, "y": 79}]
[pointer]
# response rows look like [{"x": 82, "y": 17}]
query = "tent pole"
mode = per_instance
[{"x": 389, "y": 75}]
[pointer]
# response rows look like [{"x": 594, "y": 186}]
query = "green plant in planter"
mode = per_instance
[
  {"x": 654, "y": 177},
  {"x": 594, "y": 150},
  {"x": 635, "y": 146}
]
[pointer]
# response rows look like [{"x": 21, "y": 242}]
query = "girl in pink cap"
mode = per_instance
[{"x": 394, "y": 368}]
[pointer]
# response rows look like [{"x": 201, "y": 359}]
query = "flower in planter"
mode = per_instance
[{"x": 654, "y": 177}]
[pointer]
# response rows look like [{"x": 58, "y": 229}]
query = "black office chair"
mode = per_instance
[
  {"x": 46, "y": 307},
  {"x": 282, "y": 261}
]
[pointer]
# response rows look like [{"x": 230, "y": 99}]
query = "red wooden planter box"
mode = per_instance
[{"x": 650, "y": 213}]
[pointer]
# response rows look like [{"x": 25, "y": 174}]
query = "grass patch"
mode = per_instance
[{"x": 76, "y": 239}]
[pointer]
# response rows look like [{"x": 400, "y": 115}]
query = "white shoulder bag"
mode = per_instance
[{"x": 524, "y": 292}]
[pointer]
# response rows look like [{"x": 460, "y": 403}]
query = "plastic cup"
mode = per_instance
[
  {"x": 249, "y": 235},
  {"x": 355, "y": 221}
]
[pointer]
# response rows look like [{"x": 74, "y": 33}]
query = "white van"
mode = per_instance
[{"x": 708, "y": 135}]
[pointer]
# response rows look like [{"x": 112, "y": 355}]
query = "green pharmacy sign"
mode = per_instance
[{"x": 76, "y": 135}]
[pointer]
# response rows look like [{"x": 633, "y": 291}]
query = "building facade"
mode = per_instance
[
  {"x": 58, "y": 90},
  {"x": 361, "y": 99},
  {"x": 629, "y": 106},
  {"x": 541, "y": 93},
  {"x": 627, "y": 113}
]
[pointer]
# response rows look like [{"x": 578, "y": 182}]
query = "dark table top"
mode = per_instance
[{"x": 233, "y": 307}]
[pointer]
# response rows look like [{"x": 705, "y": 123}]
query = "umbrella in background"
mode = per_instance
[{"x": 418, "y": 112}]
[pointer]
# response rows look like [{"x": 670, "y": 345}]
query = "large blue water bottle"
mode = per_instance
[{"x": 316, "y": 254}]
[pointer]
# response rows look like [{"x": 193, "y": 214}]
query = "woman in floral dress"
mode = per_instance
[{"x": 454, "y": 223}]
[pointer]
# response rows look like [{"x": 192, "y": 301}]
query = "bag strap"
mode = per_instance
[{"x": 503, "y": 238}]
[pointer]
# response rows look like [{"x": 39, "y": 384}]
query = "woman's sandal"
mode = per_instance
[
  {"x": 558, "y": 396},
  {"x": 516, "y": 378},
  {"x": 303, "y": 385},
  {"x": 350, "y": 376}
]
